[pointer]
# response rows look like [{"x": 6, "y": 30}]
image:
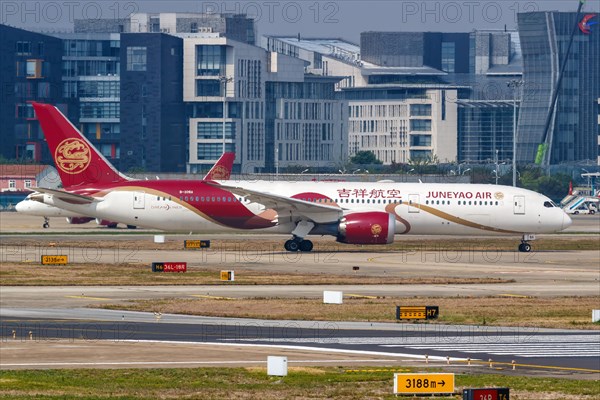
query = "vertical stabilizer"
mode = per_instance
[
  {"x": 221, "y": 171},
  {"x": 77, "y": 160}
]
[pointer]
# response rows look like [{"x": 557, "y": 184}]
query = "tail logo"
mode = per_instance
[
  {"x": 72, "y": 156},
  {"x": 220, "y": 173}
]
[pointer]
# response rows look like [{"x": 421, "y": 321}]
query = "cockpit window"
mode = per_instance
[{"x": 549, "y": 204}]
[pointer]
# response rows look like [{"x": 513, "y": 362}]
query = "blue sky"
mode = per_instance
[{"x": 310, "y": 18}]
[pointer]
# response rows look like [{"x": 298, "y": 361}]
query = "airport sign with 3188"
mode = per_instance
[{"x": 423, "y": 383}]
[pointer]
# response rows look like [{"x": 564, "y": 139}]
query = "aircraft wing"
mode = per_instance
[
  {"x": 67, "y": 197},
  {"x": 287, "y": 206}
]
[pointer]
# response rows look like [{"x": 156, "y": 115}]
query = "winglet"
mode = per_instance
[
  {"x": 221, "y": 171},
  {"x": 76, "y": 159}
]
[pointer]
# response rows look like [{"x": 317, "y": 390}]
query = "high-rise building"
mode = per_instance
[
  {"x": 30, "y": 70},
  {"x": 91, "y": 88},
  {"x": 275, "y": 116},
  {"x": 152, "y": 107},
  {"x": 574, "y": 129}
]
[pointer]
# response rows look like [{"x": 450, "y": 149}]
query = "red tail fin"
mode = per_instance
[
  {"x": 76, "y": 159},
  {"x": 221, "y": 171}
]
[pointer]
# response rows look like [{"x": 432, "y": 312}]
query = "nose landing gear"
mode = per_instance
[
  {"x": 525, "y": 247},
  {"x": 46, "y": 223}
]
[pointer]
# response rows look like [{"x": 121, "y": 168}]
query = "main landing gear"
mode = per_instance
[
  {"x": 297, "y": 242},
  {"x": 46, "y": 223},
  {"x": 525, "y": 247}
]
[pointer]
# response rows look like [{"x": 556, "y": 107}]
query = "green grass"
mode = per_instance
[{"x": 246, "y": 383}]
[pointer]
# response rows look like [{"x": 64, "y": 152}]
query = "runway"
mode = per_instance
[
  {"x": 68, "y": 332},
  {"x": 530, "y": 348}
]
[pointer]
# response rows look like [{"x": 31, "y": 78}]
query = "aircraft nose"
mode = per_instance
[
  {"x": 566, "y": 221},
  {"x": 21, "y": 206}
]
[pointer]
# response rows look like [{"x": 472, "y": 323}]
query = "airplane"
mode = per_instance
[
  {"x": 32, "y": 206},
  {"x": 352, "y": 212}
]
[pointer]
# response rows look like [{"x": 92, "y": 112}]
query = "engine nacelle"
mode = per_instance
[
  {"x": 107, "y": 223},
  {"x": 79, "y": 220},
  {"x": 374, "y": 227}
]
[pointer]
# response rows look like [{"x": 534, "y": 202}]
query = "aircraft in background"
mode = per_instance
[
  {"x": 32, "y": 205},
  {"x": 354, "y": 213}
]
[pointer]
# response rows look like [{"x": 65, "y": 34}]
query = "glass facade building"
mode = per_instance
[
  {"x": 29, "y": 71},
  {"x": 484, "y": 128},
  {"x": 574, "y": 129}
]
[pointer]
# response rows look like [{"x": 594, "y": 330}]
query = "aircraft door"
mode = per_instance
[
  {"x": 519, "y": 205},
  {"x": 138, "y": 200},
  {"x": 414, "y": 203}
]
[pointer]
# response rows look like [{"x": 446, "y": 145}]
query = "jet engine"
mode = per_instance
[
  {"x": 107, "y": 223},
  {"x": 79, "y": 220},
  {"x": 374, "y": 227}
]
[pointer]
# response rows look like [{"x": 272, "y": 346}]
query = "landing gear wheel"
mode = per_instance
[
  {"x": 292, "y": 245},
  {"x": 306, "y": 245},
  {"x": 46, "y": 225},
  {"x": 524, "y": 247}
]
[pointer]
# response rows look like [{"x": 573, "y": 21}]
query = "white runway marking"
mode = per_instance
[{"x": 523, "y": 346}]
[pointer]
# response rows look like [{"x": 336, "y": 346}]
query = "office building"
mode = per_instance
[
  {"x": 91, "y": 88},
  {"x": 403, "y": 88},
  {"x": 30, "y": 70},
  {"x": 152, "y": 108},
  {"x": 257, "y": 91}
]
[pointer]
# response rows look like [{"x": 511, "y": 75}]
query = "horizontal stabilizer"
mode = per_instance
[{"x": 67, "y": 197}]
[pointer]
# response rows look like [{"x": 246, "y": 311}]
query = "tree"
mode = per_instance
[{"x": 365, "y": 158}]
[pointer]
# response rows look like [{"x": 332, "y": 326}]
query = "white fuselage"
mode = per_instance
[{"x": 420, "y": 208}]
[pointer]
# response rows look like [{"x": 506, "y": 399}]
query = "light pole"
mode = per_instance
[
  {"x": 224, "y": 80},
  {"x": 515, "y": 84},
  {"x": 497, "y": 168},
  {"x": 587, "y": 174}
]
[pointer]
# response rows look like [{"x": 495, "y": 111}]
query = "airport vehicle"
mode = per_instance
[
  {"x": 575, "y": 203},
  {"x": 354, "y": 213}
]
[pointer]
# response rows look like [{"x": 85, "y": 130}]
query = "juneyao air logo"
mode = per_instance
[
  {"x": 375, "y": 229},
  {"x": 72, "y": 156}
]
